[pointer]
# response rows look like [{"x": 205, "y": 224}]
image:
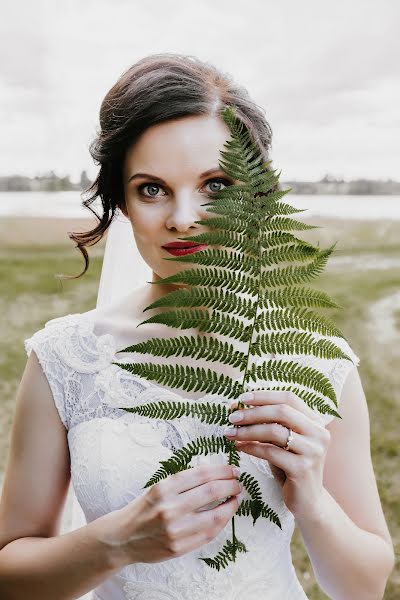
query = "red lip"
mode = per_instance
[
  {"x": 181, "y": 245},
  {"x": 184, "y": 250}
]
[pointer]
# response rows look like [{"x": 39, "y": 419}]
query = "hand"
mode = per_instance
[
  {"x": 263, "y": 432},
  {"x": 165, "y": 522}
]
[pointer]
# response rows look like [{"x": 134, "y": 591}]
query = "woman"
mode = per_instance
[{"x": 158, "y": 149}]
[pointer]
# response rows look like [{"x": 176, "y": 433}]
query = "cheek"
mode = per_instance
[{"x": 147, "y": 222}]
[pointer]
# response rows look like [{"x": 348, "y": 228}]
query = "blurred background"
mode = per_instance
[{"x": 326, "y": 74}]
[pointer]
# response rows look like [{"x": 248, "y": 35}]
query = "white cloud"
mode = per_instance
[{"x": 326, "y": 75}]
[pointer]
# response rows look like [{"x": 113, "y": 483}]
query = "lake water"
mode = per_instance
[{"x": 69, "y": 204}]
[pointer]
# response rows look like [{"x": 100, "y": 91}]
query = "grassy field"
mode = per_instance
[{"x": 32, "y": 251}]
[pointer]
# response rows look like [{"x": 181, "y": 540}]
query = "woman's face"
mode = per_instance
[{"x": 167, "y": 175}]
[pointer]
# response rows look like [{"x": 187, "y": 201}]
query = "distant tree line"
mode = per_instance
[
  {"x": 50, "y": 182},
  {"x": 331, "y": 185}
]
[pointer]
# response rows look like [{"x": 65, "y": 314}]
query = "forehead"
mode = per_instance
[{"x": 191, "y": 142}]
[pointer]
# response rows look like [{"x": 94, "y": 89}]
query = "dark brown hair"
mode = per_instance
[{"x": 157, "y": 88}]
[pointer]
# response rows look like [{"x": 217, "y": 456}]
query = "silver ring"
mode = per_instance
[{"x": 289, "y": 438}]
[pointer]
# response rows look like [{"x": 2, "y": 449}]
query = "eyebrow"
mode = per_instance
[{"x": 154, "y": 178}]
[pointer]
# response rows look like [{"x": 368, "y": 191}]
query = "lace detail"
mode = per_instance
[
  {"x": 114, "y": 453},
  {"x": 43, "y": 343},
  {"x": 233, "y": 585}
]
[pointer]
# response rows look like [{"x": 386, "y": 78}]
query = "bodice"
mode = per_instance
[{"x": 114, "y": 453}]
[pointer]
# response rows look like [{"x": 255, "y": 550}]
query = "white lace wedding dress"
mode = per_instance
[{"x": 114, "y": 453}]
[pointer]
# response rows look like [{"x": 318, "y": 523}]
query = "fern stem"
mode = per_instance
[
  {"x": 233, "y": 518},
  {"x": 240, "y": 404},
  {"x": 233, "y": 539}
]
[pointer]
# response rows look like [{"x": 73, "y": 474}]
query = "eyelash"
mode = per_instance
[{"x": 143, "y": 185}]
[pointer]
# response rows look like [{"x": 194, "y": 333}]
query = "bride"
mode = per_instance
[{"x": 158, "y": 149}]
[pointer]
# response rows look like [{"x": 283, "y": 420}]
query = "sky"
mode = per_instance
[{"x": 325, "y": 73}]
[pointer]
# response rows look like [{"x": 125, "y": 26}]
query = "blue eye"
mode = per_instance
[
  {"x": 150, "y": 185},
  {"x": 218, "y": 180},
  {"x": 153, "y": 185}
]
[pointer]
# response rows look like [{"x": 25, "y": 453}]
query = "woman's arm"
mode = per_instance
[
  {"x": 348, "y": 562},
  {"x": 346, "y": 536},
  {"x": 35, "y": 562},
  {"x": 63, "y": 567},
  {"x": 329, "y": 484}
]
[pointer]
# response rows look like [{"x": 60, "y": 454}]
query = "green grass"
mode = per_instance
[
  {"x": 32, "y": 296},
  {"x": 379, "y": 374},
  {"x": 397, "y": 319}
]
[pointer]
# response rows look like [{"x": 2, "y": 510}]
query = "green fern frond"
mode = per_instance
[
  {"x": 215, "y": 321},
  {"x": 211, "y": 382},
  {"x": 253, "y": 226},
  {"x": 228, "y": 239},
  {"x": 207, "y": 297},
  {"x": 227, "y": 554},
  {"x": 251, "y": 485},
  {"x": 297, "y": 297},
  {"x": 291, "y": 372},
  {"x": 312, "y": 399},
  {"x": 284, "y": 224},
  {"x": 223, "y": 259},
  {"x": 195, "y": 346},
  {"x": 213, "y": 414},
  {"x": 242, "y": 160},
  {"x": 243, "y": 195},
  {"x": 294, "y": 275},
  {"x": 181, "y": 458},
  {"x": 282, "y": 208},
  {"x": 289, "y": 342},
  {"x": 281, "y": 238},
  {"x": 293, "y": 342},
  {"x": 307, "y": 320},
  {"x": 295, "y": 252},
  {"x": 186, "y": 377},
  {"x": 248, "y": 264},
  {"x": 230, "y": 223},
  {"x": 236, "y": 206},
  {"x": 234, "y": 282},
  {"x": 256, "y": 509}
]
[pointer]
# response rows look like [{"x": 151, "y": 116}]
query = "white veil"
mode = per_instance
[
  {"x": 123, "y": 267},
  {"x": 123, "y": 270}
]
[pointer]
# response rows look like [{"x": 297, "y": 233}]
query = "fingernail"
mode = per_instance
[
  {"x": 235, "y": 417},
  {"x": 246, "y": 396},
  {"x": 236, "y": 471},
  {"x": 230, "y": 431}
]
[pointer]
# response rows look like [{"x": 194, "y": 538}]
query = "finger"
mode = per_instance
[
  {"x": 261, "y": 397},
  {"x": 258, "y": 449},
  {"x": 191, "y": 478},
  {"x": 195, "y": 528},
  {"x": 281, "y": 459},
  {"x": 284, "y": 414},
  {"x": 254, "y": 448},
  {"x": 201, "y": 495},
  {"x": 277, "y": 457},
  {"x": 271, "y": 433}
]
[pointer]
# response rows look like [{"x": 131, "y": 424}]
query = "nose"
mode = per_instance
[{"x": 184, "y": 212}]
